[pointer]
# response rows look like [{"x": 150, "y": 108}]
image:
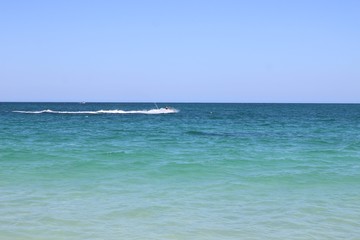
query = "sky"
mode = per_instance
[{"x": 180, "y": 51}]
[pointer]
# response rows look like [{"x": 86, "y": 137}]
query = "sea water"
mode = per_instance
[{"x": 205, "y": 171}]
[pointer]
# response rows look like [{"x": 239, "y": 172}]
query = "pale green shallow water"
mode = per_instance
[{"x": 210, "y": 171}]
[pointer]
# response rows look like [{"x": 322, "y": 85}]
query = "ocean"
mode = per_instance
[{"x": 202, "y": 171}]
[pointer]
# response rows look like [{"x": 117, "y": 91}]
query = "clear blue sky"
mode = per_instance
[{"x": 180, "y": 51}]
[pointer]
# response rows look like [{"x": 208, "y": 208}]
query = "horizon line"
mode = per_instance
[{"x": 180, "y": 102}]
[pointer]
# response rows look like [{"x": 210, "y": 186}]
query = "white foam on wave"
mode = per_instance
[{"x": 116, "y": 111}]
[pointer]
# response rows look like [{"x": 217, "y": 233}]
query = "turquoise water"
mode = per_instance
[{"x": 209, "y": 171}]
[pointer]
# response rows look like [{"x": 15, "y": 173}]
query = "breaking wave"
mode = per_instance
[{"x": 117, "y": 111}]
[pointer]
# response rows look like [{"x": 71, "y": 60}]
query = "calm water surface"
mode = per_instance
[{"x": 209, "y": 171}]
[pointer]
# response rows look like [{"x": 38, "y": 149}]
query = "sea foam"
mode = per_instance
[{"x": 116, "y": 111}]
